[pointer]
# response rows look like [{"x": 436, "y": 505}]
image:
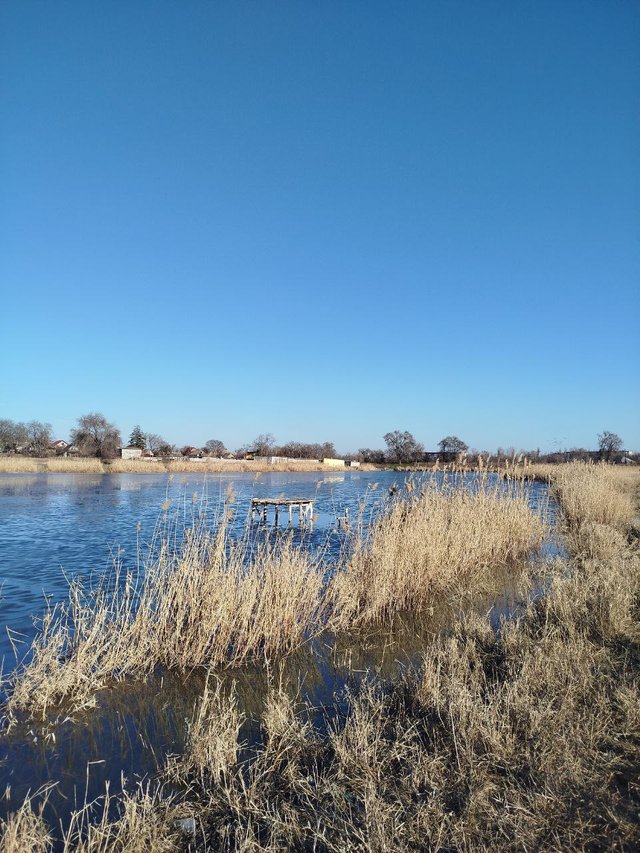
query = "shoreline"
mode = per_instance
[{"x": 54, "y": 465}]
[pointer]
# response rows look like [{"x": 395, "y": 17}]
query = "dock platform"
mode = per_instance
[{"x": 303, "y": 506}]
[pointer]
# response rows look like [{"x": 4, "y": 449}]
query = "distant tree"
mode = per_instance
[
  {"x": 154, "y": 442},
  {"x": 12, "y": 435},
  {"x": 38, "y": 437},
  {"x": 96, "y": 436},
  {"x": 608, "y": 443},
  {"x": 164, "y": 449},
  {"x": 304, "y": 450},
  {"x": 327, "y": 451},
  {"x": 451, "y": 445},
  {"x": 366, "y": 454},
  {"x": 215, "y": 447},
  {"x": 6, "y": 435},
  {"x": 137, "y": 438},
  {"x": 402, "y": 447},
  {"x": 263, "y": 445}
]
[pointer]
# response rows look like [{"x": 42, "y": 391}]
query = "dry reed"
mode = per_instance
[
  {"x": 148, "y": 820},
  {"x": 598, "y": 494},
  {"x": 24, "y": 831},
  {"x": 441, "y": 538},
  {"x": 213, "y": 603},
  {"x": 527, "y": 738},
  {"x": 16, "y": 464}
]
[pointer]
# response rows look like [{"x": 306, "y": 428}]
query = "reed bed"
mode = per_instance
[
  {"x": 209, "y": 466},
  {"x": 441, "y": 538},
  {"x": 210, "y": 604},
  {"x": 148, "y": 820},
  {"x": 222, "y": 603},
  {"x": 526, "y": 738},
  {"x": 16, "y": 464},
  {"x": 600, "y": 494}
]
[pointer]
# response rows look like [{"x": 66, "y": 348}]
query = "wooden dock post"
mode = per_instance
[{"x": 304, "y": 507}]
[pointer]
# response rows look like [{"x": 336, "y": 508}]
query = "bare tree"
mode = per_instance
[
  {"x": 95, "y": 436},
  {"x": 608, "y": 443},
  {"x": 215, "y": 447},
  {"x": 263, "y": 445},
  {"x": 366, "y": 454},
  {"x": 38, "y": 437},
  {"x": 305, "y": 450},
  {"x": 155, "y": 443},
  {"x": 12, "y": 435},
  {"x": 403, "y": 447}
]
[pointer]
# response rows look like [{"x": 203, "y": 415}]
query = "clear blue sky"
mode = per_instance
[{"x": 322, "y": 220}]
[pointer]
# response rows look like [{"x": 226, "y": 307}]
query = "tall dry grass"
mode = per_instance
[
  {"x": 524, "y": 739},
  {"x": 213, "y": 603},
  {"x": 217, "y": 602},
  {"x": 24, "y": 830},
  {"x": 596, "y": 494},
  {"x": 527, "y": 738},
  {"x": 16, "y": 464},
  {"x": 441, "y": 537},
  {"x": 148, "y": 820}
]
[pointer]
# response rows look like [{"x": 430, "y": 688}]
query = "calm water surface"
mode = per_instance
[{"x": 53, "y": 526}]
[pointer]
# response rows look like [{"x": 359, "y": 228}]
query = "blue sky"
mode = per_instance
[{"x": 322, "y": 220}]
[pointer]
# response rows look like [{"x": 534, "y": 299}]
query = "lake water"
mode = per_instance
[{"x": 55, "y": 526}]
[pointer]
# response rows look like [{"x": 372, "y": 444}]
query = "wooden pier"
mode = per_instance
[{"x": 303, "y": 506}]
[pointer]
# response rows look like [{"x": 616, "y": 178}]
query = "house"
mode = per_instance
[
  {"x": 131, "y": 452},
  {"x": 59, "y": 444},
  {"x": 192, "y": 452},
  {"x": 69, "y": 450}
]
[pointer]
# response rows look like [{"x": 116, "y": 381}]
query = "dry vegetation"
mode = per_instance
[
  {"x": 440, "y": 539},
  {"x": 600, "y": 494},
  {"x": 523, "y": 739},
  {"x": 25, "y": 830},
  {"x": 211, "y": 604},
  {"x": 16, "y": 464},
  {"x": 222, "y": 603}
]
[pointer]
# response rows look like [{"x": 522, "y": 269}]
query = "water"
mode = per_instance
[{"x": 55, "y": 526}]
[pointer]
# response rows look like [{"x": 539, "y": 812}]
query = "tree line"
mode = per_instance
[
  {"x": 94, "y": 435},
  {"x": 403, "y": 448}
]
